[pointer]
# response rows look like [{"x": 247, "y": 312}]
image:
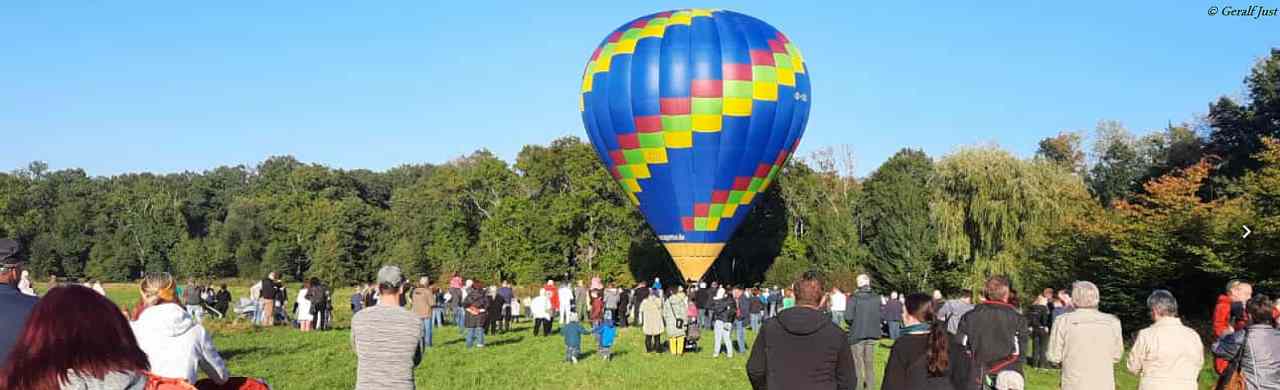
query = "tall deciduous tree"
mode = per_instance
[{"x": 899, "y": 232}]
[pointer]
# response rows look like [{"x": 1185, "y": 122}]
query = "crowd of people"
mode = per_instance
[{"x": 807, "y": 335}]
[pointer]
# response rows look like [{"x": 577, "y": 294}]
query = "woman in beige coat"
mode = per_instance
[
  {"x": 1167, "y": 355},
  {"x": 651, "y": 317}
]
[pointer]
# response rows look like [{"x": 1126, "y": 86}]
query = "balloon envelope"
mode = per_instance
[{"x": 694, "y": 112}]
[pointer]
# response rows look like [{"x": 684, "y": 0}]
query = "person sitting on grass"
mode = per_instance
[
  {"x": 605, "y": 334},
  {"x": 572, "y": 332},
  {"x": 386, "y": 338}
]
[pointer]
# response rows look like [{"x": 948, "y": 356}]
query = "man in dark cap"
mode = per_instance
[{"x": 14, "y": 305}]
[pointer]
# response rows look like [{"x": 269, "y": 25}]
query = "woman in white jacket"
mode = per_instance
[
  {"x": 175, "y": 344},
  {"x": 304, "y": 308}
]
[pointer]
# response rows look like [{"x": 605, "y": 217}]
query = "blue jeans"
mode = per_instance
[
  {"x": 474, "y": 337},
  {"x": 437, "y": 316},
  {"x": 755, "y": 321},
  {"x": 704, "y": 319},
  {"x": 428, "y": 327},
  {"x": 459, "y": 317},
  {"x": 722, "y": 338},
  {"x": 740, "y": 333}
]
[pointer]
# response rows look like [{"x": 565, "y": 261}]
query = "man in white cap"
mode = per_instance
[
  {"x": 862, "y": 313},
  {"x": 386, "y": 338}
]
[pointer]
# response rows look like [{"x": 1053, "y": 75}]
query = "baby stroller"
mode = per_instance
[{"x": 692, "y": 333}]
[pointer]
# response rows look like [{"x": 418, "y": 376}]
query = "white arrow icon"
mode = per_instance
[{"x": 1246, "y": 231}]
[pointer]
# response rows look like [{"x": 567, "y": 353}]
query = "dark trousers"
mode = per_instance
[
  {"x": 1041, "y": 343},
  {"x": 542, "y": 323},
  {"x": 653, "y": 343}
]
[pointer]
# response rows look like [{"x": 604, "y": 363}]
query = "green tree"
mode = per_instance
[{"x": 900, "y": 234}]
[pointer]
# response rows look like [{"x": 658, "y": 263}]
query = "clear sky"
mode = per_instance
[{"x": 118, "y": 87}]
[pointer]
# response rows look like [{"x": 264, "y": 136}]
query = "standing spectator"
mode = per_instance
[
  {"x": 572, "y": 331},
  {"x": 775, "y": 301},
  {"x": 611, "y": 300},
  {"x": 1255, "y": 349},
  {"x": 424, "y": 302},
  {"x": 566, "y": 302},
  {"x": 1040, "y": 319},
  {"x": 302, "y": 307},
  {"x": 863, "y": 317},
  {"x": 955, "y": 309},
  {"x": 193, "y": 301},
  {"x": 267, "y": 300},
  {"x": 1228, "y": 314},
  {"x": 597, "y": 308},
  {"x": 893, "y": 315},
  {"x": 223, "y": 299},
  {"x": 175, "y": 343},
  {"x": 837, "y": 301},
  {"x": 990, "y": 335},
  {"x": 674, "y": 312},
  {"x": 652, "y": 318},
  {"x": 605, "y": 334},
  {"x": 938, "y": 300},
  {"x": 357, "y": 298},
  {"x": 321, "y": 307},
  {"x": 722, "y": 312},
  {"x": 638, "y": 295},
  {"x": 757, "y": 309},
  {"x": 461, "y": 314},
  {"x": 800, "y": 348},
  {"x": 510, "y": 307},
  {"x": 455, "y": 281},
  {"x": 921, "y": 358},
  {"x": 455, "y": 304},
  {"x": 474, "y": 306},
  {"x": 624, "y": 307},
  {"x": 1062, "y": 304},
  {"x": 15, "y": 306},
  {"x": 540, "y": 309},
  {"x": 788, "y": 298},
  {"x": 1086, "y": 342},
  {"x": 494, "y": 306},
  {"x": 702, "y": 299},
  {"x": 742, "y": 314},
  {"x": 582, "y": 301},
  {"x": 75, "y": 339},
  {"x": 386, "y": 338},
  {"x": 552, "y": 295},
  {"x": 1167, "y": 355}
]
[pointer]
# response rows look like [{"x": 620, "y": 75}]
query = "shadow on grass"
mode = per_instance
[{"x": 505, "y": 342}]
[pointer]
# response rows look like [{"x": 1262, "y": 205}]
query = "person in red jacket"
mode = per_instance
[
  {"x": 554, "y": 293},
  {"x": 1238, "y": 292}
]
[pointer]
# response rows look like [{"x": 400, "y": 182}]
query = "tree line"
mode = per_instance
[{"x": 1129, "y": 212}]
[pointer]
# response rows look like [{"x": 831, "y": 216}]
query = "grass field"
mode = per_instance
[{"x": 290, "y": 359}]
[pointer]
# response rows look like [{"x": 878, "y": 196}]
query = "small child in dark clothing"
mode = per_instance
[{"x": 572, "y": 332}]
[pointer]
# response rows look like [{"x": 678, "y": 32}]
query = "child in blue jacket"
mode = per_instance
[
  {"x": 605, "y": 333},
  {"x": 572, "y": 332}
]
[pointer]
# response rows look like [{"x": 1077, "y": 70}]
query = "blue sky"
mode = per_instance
[{"x": 171, "y": 86}]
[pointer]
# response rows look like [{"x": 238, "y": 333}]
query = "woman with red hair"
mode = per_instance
[{"x": 76, "y": 339}]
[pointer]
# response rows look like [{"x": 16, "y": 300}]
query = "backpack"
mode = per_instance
[
  {"x": 161, "y": 383},
  {"x": 234, "y": 383}
]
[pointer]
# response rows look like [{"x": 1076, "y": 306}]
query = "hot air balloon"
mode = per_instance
[{"x": 694, "y": 112}]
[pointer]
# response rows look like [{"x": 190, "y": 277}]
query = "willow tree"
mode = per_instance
[{"x": 992, "y": 210}]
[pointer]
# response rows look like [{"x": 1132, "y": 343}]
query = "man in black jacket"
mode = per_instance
[
  {"x": 862, "y": 313},
  {"x": 990, "y": 334},
  {"x": 800, "y": 348},
  {"x": 702, "y": 299},
  {"x": 638, "y": 295},
  {"x": 267, "y": 300}
]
